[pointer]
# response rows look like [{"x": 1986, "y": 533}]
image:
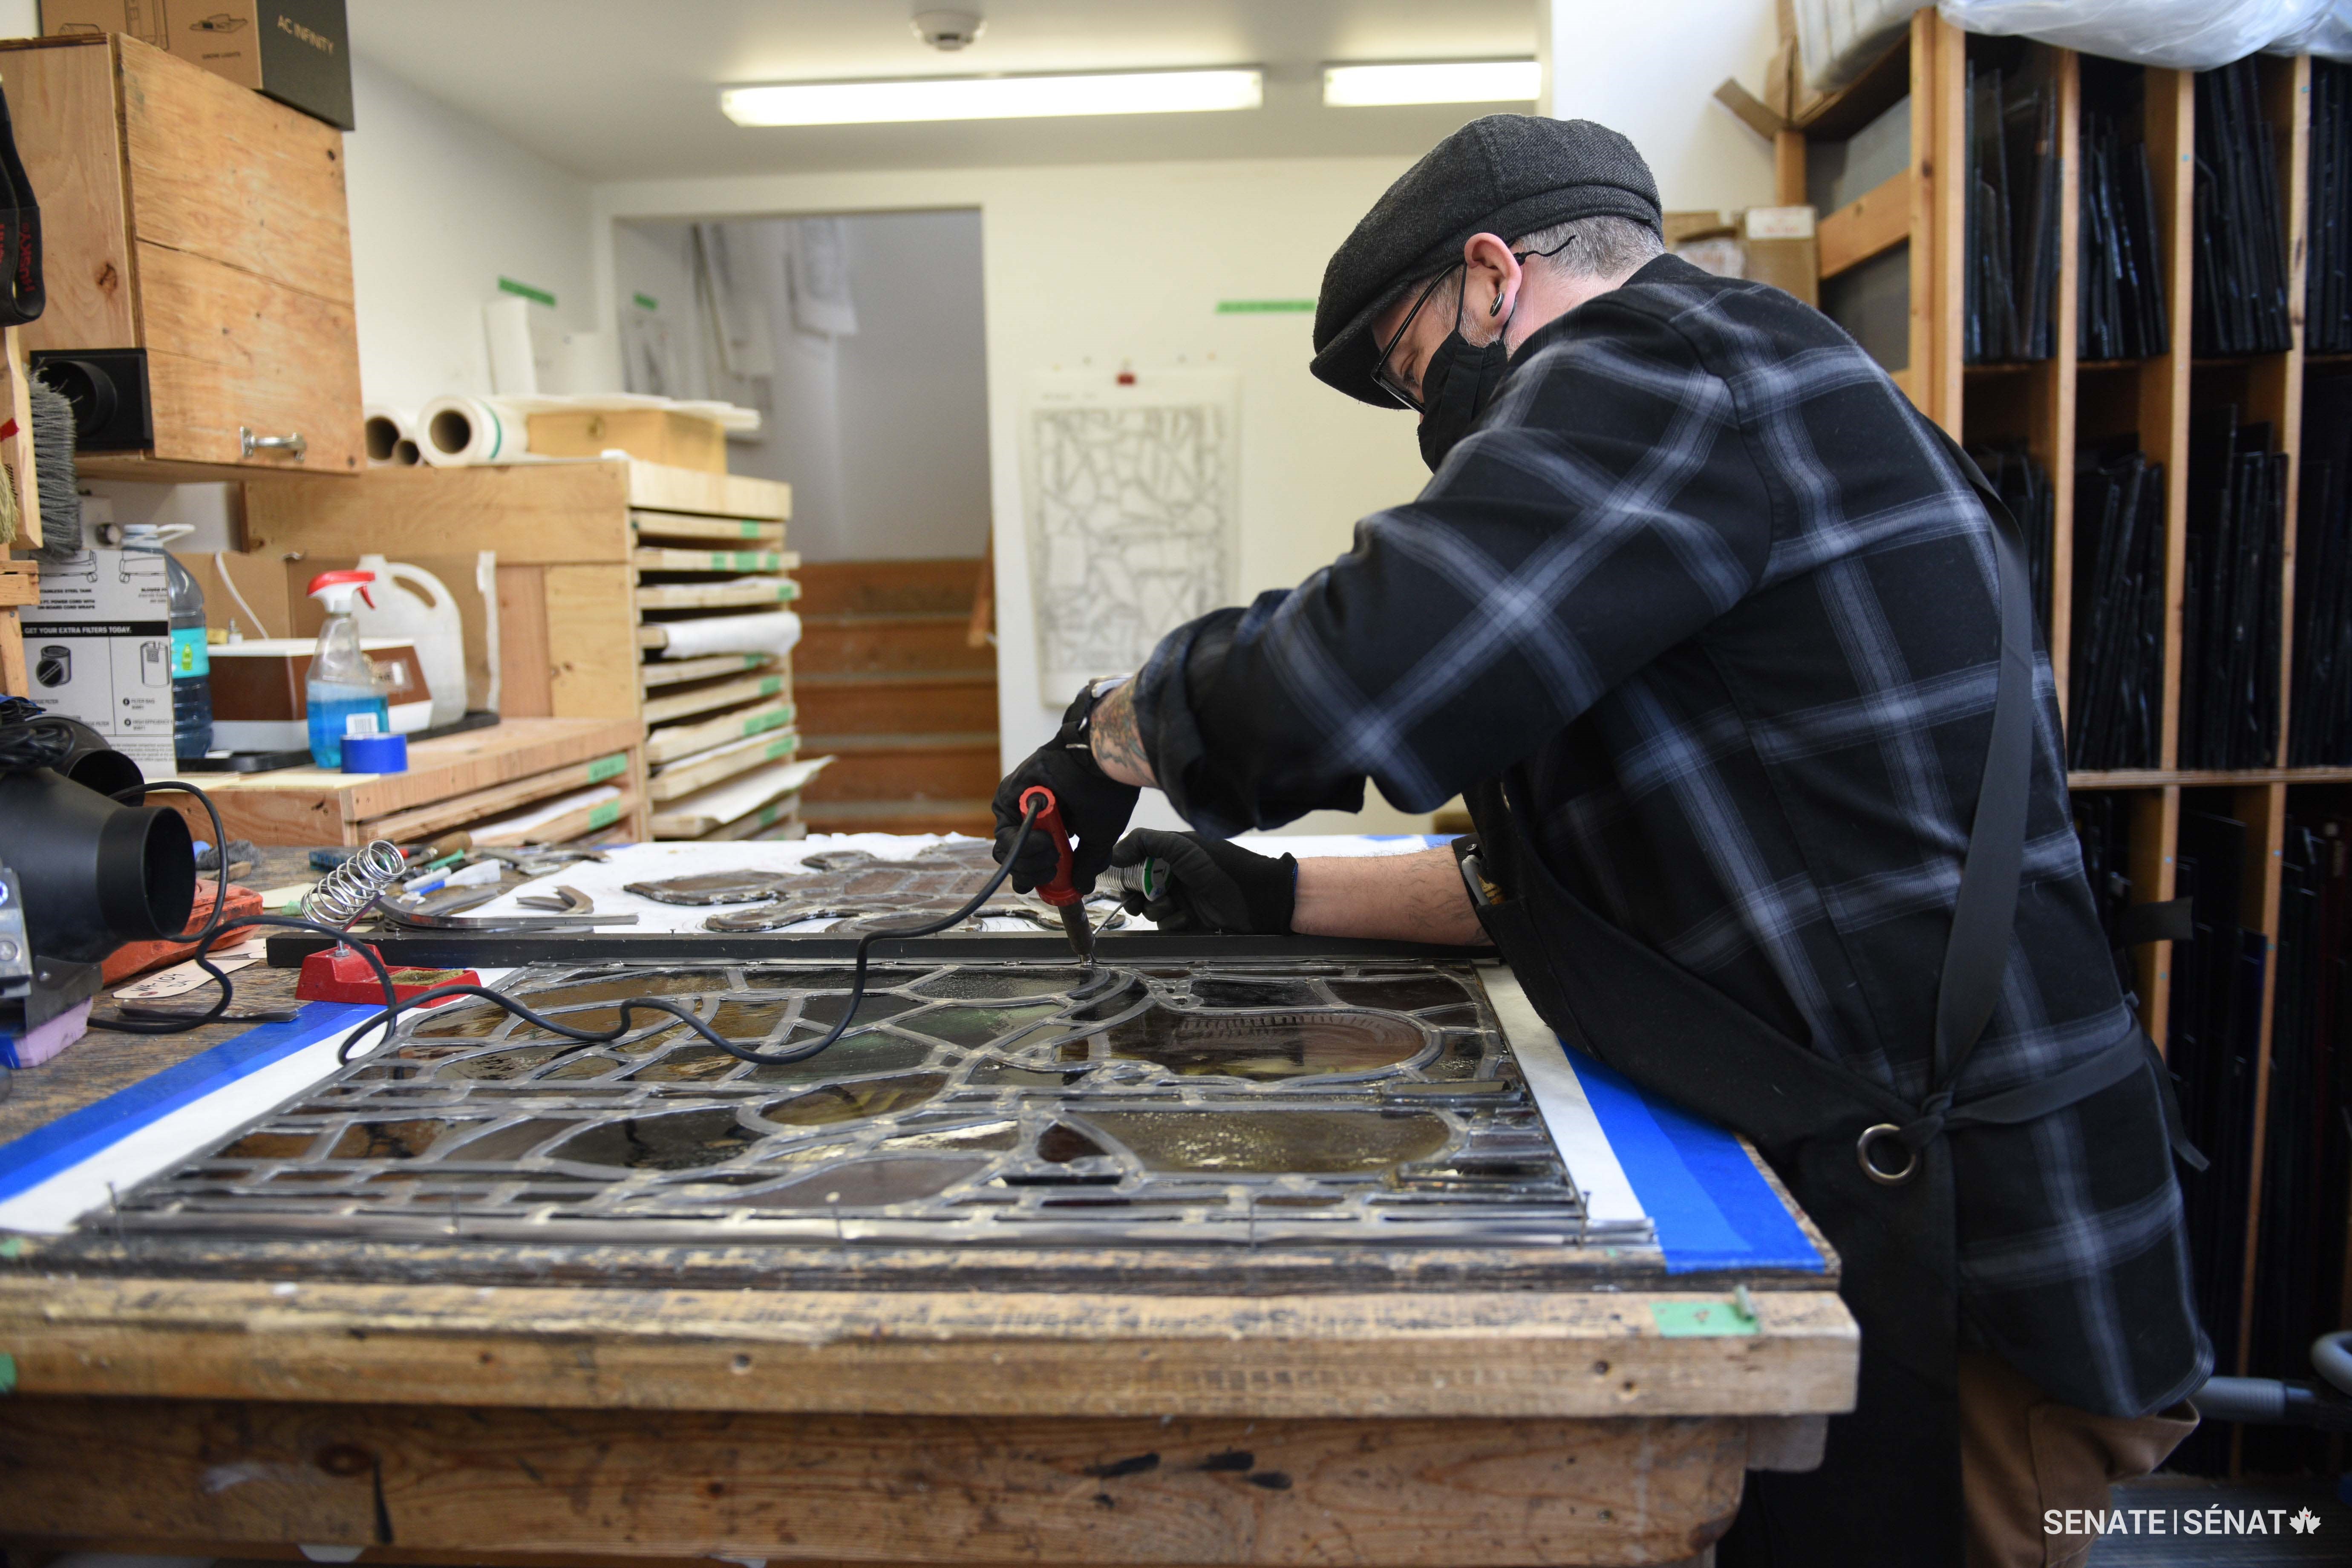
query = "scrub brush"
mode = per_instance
[{"x": 53, "y": 461}]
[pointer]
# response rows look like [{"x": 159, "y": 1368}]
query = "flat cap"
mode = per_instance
[{"x": 1509, "y": 175}]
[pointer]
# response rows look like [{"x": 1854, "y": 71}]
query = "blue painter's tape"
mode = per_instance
[
  {"x": 68, "y": 1141},
  {"x": 1712, "y": 1207}
]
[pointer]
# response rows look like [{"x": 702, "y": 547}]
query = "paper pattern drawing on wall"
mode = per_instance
[{"x": 1134, "y": 515}]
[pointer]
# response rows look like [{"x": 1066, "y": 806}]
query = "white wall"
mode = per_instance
[
  {"x": 441, "y": 208},
  {"x": 914, "y": 383},
  {"x": 1649, "y": 70}
]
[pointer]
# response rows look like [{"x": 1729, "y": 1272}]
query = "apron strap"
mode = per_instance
[{"x": 1984, "y": 914}]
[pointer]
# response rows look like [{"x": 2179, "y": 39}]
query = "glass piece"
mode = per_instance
[
  {"x": 827, "y": 1010},
  {"x": 462, "y": 1023},
  {"x": 1060, "y": 1143},
  {"x": 1214, "y": 991},
  {"x": 863, "y": 1052},
  {"x": 579, "y": 1065},
  {"x": 744, "y": 887},
  {"x": 513, "y": 1141},
  {"x": 1402, "y": 993},
  {"x": 499, "y": 1066},
  {"x": 998, "y": 984},
  {"x": 980, "y": 1026},
  {"x": 387, "y": 1140},
  {"x": 855, "y": 1102},
  {"x": 271, "y": 1146},
  {"x": 979, "y": 1135},
  {"x": 680, "y": 1140},
  {"x": 1318, "y": 1143},
  {"x": 871, "y": 1184},
  {"x": 633, "y": 982},
  {"x": 1263, "y": 1046},
  {"x": 687, "y": 1064},
  {"x": 879, "y": 977}
]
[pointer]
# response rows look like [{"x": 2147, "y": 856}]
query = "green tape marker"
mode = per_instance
[
  {"x": 510, "y": 286},
  {"x": 783, "y": 748},
  {"x": 14, "y": 1246},
  {"x": 610, "y": 767},
  {"x": 754, "y": 660},
  {"x": 646, "y": 301},
  {"x": 760, "y": 724},
  {"x": 1701, "y": 1320},
  {"x": 750, "y": 530},
  {"x": 1265, "y": 307},
  {"x": 604, "y": 816},
  {"x": 771, "y": 685},
  {"x": 7, "y": 1374}
]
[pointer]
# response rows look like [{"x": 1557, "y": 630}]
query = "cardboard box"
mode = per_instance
[
  {"x": 99, "y": 648},
  {"x": 649, "y": 435},
  {"x": 296, "y": 51},
  {"x": 1779, "y": 245}
]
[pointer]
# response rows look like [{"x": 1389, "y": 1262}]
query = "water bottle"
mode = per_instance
[
  {"x": 342, "y": 685},
  {"x": 191, "y": 666}
]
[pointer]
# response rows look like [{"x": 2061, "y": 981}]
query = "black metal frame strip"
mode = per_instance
[{"x": 447, "y": 950}]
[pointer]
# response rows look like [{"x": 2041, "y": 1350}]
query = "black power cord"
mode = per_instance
[
  {"x": 388, "y": 1016},
  {"x": 655, "y": 1003}
]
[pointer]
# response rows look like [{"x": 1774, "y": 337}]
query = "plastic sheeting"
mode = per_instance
[{"x": 2178, "y": 35}]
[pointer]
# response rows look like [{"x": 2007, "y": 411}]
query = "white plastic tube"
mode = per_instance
[{"x": 459, "y": 432}]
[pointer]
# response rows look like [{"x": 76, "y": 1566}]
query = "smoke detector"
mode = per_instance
[{"x": 947, "y": 30}]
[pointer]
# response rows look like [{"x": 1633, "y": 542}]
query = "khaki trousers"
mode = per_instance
[{"x": 2022, "y": 1453}]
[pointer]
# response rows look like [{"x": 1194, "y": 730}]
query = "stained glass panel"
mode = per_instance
[{"x": 1001, "y": 1103}]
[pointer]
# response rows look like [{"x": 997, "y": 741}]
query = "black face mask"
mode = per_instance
[{"x": 1457, "y": 386}]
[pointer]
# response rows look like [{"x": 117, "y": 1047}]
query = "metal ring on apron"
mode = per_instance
[{"x": 1871, "y": 1168}]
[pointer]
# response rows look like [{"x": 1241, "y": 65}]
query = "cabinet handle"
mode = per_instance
[{"x": 292, "y": 445}]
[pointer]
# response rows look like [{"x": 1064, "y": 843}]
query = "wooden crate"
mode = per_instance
[
  {"x": 592, "y": 557},
  {"x": 459, "y": 782},
  {"x": 205, "y": 223}
]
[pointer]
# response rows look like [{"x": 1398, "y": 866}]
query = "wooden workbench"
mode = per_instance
[{"x": 476, "y": 1401}]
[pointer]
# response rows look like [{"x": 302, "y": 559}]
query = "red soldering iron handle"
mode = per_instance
[{"x": 1063, "y": 890}]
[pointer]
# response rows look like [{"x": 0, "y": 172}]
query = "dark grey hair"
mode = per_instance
[{"x": 1594, "y": 247}]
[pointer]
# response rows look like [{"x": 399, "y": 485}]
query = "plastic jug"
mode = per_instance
[
  {"x": 192, "y": 687},
  {"x": 412, "y": 602}
]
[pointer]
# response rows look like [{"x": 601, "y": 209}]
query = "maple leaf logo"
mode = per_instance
[{"x": 2304, "y": 1523}]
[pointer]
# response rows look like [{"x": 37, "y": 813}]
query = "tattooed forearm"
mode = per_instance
[{"x": 1117, "y": 745}]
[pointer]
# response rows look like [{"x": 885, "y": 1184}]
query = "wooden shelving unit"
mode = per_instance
[
  {"x": 2059, "y": 404},
  {"x": 597, "y": 560}
]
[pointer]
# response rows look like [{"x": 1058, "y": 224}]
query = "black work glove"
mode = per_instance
[
  {"x": 1212, "y": 886},
  {"x": 1094, "y": 805}
]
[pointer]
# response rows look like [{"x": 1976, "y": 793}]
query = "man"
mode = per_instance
[{"x": 1727, "y": 649}]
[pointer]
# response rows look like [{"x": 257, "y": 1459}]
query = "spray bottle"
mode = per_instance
[{"x": 342, "y": 694}]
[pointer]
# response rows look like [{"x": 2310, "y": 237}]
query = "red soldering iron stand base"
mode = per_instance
[{"x": 340, "y": 974}]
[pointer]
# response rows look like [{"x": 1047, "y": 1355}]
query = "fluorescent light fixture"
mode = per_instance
[
  {"x": 991, "y": 97},
  {"x": 1435, "y": 81}
]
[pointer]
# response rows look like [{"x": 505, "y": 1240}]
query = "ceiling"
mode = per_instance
[{"x": 615, "y": 89}]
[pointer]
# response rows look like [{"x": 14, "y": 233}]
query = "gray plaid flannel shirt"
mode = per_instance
[{"x": 1704, "y": 570}]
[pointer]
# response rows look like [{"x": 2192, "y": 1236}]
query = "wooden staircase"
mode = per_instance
[{"x": 886, "y": 684}]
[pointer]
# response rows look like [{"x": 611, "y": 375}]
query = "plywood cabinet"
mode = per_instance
[{"x": 208, "y": 225}]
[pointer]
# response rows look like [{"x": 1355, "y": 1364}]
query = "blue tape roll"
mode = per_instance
[{"x": 375, "y": 753}]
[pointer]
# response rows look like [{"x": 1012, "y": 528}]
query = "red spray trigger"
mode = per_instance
[{"x": 1062, "y": 891}]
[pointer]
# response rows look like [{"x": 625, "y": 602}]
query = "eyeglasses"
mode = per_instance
[{"x": 1387, "y": 380}]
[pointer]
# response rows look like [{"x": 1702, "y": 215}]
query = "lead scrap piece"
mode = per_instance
[
  {"x": 865, "y": 893},
  {"x": 1003, "y": 1103}
]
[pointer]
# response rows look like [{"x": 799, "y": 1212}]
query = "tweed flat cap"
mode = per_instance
[{"x": 1508, "y": 174}]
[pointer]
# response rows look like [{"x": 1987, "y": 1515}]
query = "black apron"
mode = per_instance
[{"x": 1870, "y": 1168}]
